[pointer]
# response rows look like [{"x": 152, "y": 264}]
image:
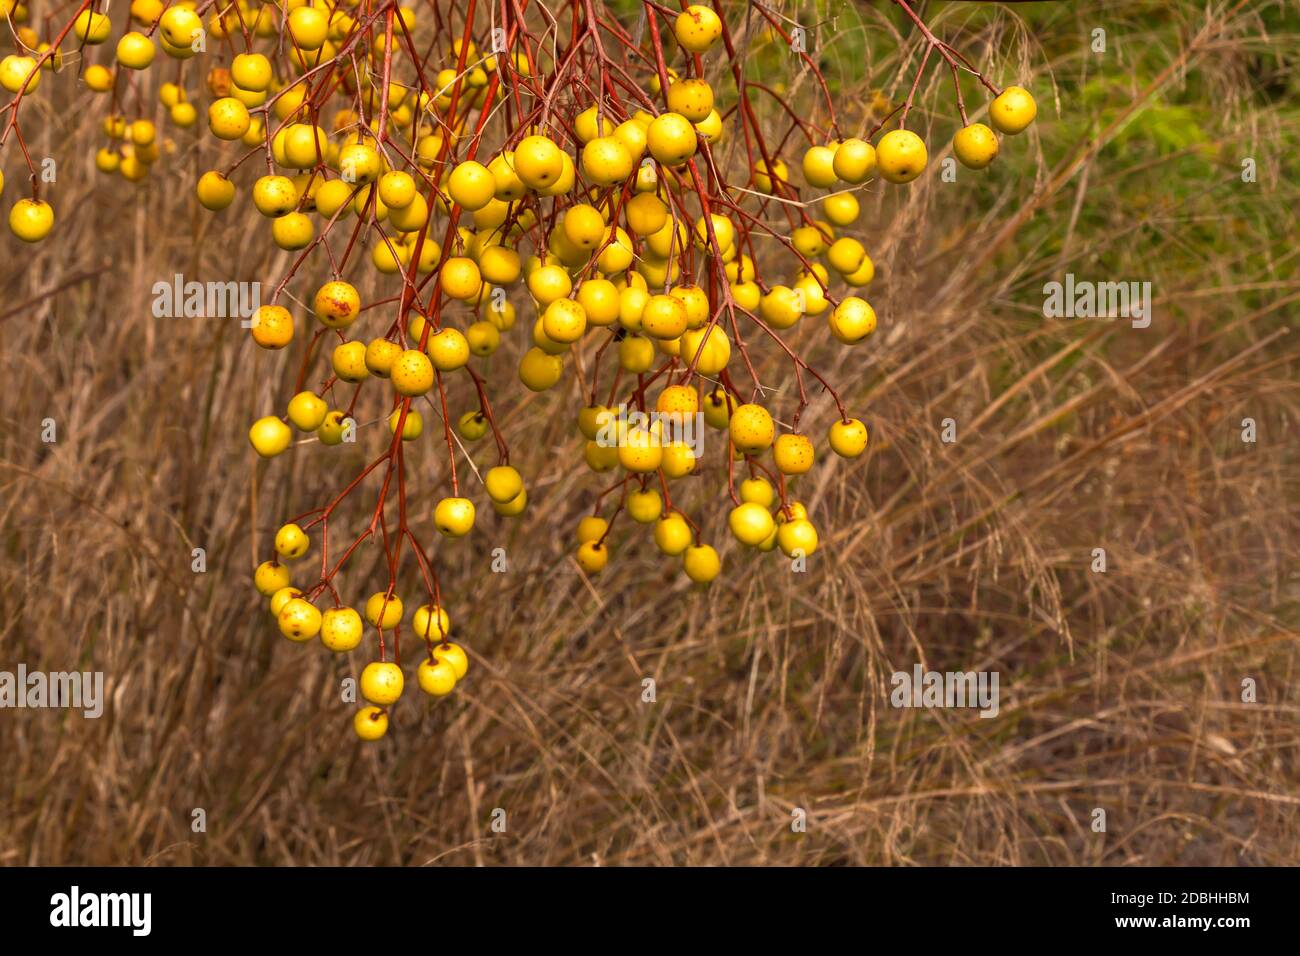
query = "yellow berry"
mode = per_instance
[
  {"x": 214, "y": 191},
  {"x": 640, "y": 451},
  {"x": 549, "y": 283},
  {"x": 538, "y": 162},
  {"x": 710, "y": 128},
  {"x": 793, "y": 454},
  {"x": 854, "y": 161},
  {"x": 299, "y": 620},
  {"x": 31, "y": 219},
  {"x": 91, "y": 28},
  {"x": 600, "y": 301},
  {"x": 646, "y": 214},
  {"x": 664, "y": 317},
  {"x": 819, "y": 167},
  {"x": 381, "y": 355},
  {"x": 672, "y": 535},
  {"x": 292, "y": 231},
  {"x": 453, "y": 655},
  {"x": 852, "y": 320},
  {"x": 472, "y": 425},
  {"x": 384, "y": 610},
  {"x": 228, "y": 119},
  {"x": 701, "y": 563},
  {"x": 781, "y": 307},
  {"x": 758, "y": 490},
  {"x": 539, "y": 371},
  {"x": 606, "y": 160},
  {"x": 678, "y": 399},
  {"x": 584, "y": 226},
  {"x": 270, "y": 436},
  {"x": 845, "y": 255},
  {"x": 183, "y": 115},
  {"x": 768, "y": 175},
  {"x": 396, "y": 190},
  {"x": 270, "y": 577},
  {"x": 842, "y": 209},
  {"x": 644, "y": 506},
  {"x": 1012, "y": 111},
  {"x": 751, "y": 523},
  {"x": 461, "y": 279},
  {"x": 752, "y": 429},
  {"x": 454, "y": 517},
  {"x": 19, "y": 72},
  {"x": 412, "y": 373},
  {"x": 901, "y": 156},
  {"x": 592, "y": 528},
  {"x": 274, "y": 195},
  {"x": 718, "y": 406},
  {"x": 471, "y": 185},
  {"x": 412, "y": 427},
  {"x": 697, "y": 28},
  {"x": 370, "y": 723},
  {"x": 503, "y": 483},
  {"x": 335, "y": 428},
  {"x": 591, "y": 123},
  {"x": 708, "y": 348},
  {"x": 282, "y": 597},
  {"x": 291, "y": 541},
  {"x": 692, "y": 98},
  {"x": 975, "y": 146},
  {"x": 179, "y": 26},
  {"x": 671, "y": 139},
  {"x": 135, "y": 51},
  {"x": 678, "y": 460},
  {"x": 99, "y": 79},
  {"x": 382, "y": 682},
  {"x": 431, "y": 623},
  {"x": 308, "y": 27},
  {"x": 436, "y": 678},
  {"x": 564, "y": 321},
  {"x": 797, "y": 537},
  {"x": 360, "y": 163},
  {"x": 251, "y": 71},
  {"x": 337, "y": 304},
  {"x": 349, "y": 361},
  {"x": 341, "y": 629},
  {"x": 593, "y": 556},
  {"x": 848, "y": 438},
  {"x": 272, "y": 326},
  {"x": 448, "y": 349}
]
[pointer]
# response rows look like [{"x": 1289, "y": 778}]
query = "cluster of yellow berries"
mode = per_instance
[
  {"x": 763, "y": 519},
  {"x": 575, "y": 179},
  {"x": 608, "y": 250},
  {"x": 340, "y": 629},
  {"x": 901, "y": 156}
]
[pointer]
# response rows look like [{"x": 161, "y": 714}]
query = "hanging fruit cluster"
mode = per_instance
[{"x": 506, "y": 159}]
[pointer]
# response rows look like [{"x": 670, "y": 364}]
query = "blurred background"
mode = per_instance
[{"x": 1168, "y": 156}]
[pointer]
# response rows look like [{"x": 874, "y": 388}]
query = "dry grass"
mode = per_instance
[{"x": 1119, "y": 690}]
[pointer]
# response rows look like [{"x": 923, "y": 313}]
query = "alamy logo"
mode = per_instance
[
  {"x": 205, "y": 300},
  {"x": 77, "y": 691},
  {"x": 75, "y": 908},
  {"x": 949, "y": 689},
  {"x": 622, "y": 428},
  {"x": 1084, "y": 299}
]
